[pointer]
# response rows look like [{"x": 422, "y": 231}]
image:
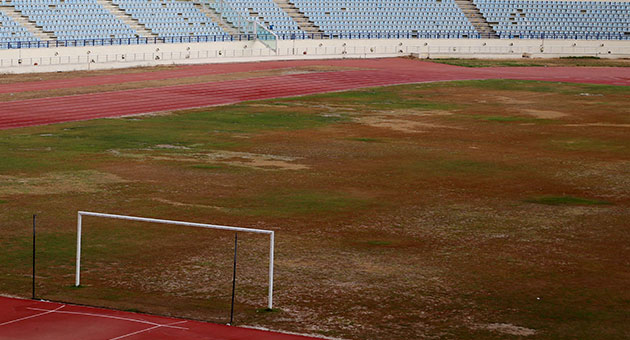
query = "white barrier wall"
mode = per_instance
[{"x": 107, "y": 57}]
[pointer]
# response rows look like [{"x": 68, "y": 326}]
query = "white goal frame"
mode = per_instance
[{"x": 80, "y": 215}]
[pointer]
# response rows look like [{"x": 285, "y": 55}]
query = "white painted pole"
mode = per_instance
[
  {"x": 78, "y": 275},
  {"x": 189, "y": 224},
  {"x": 271, "y": 245}
]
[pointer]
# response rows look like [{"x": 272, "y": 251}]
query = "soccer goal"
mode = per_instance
[{"x": 81, "y": 214}]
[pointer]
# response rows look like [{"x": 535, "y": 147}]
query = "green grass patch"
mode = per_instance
[
  {"x": 366, "y": 140},
  {"x": 379, "y": 243},
  {"x": 566, "y": 200},
  {"x": 485, "y": 63},
  {"x": 208, "y": 167},
  {"x": 447, "y": 167},
  {"x": 252, "y": 118},
  {"x": 3, "y": 201},
  {"x": 591, "y": 61},
  {"x": 73, "y": 146},
  {"x": 572, "y": 89},
  {"x": 378, "y": 98},
  {"x": 269, "y": 310},
  {"x": 76, "y": 287}
]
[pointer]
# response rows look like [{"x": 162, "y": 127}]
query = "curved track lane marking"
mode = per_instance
[
  {"x": 102, "y": 316},
  {"x": 383, "y": 72},
  {"x": 33, "y": 316}
]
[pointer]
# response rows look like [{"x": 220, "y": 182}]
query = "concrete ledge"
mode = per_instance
[{"x": 109, "y": 57}]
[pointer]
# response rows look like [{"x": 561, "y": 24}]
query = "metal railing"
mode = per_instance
[
  {"x": 266, "y": 37},
  {"x": 230, "y": 16},
  {"x": 423, "y": 51}
]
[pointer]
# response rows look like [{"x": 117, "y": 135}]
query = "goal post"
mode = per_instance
[{"x": 80, "y": 215}]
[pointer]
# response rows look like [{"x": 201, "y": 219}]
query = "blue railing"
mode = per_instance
[{"x": 295, "y": 36}]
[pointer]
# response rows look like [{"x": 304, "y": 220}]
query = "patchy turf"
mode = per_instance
[
  {"x": 565, "y": 200},
  {"x": 566, "y": 62},
  {"x": 466, "y": 210}
]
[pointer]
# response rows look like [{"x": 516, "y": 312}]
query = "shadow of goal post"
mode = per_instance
[{"x": 80, "y": 215}]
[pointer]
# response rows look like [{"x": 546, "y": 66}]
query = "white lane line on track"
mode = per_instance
[
  {"x": 47, "y": 311},
  {"x": 146, "y": 330},
  {"x": 107, "y": 317}
]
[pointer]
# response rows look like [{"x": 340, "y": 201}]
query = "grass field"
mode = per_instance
[
  {"x": 568, "y": 61},
  {"x": 459, "y": 210}
]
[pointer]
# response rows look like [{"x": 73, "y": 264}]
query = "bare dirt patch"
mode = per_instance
[
  {"x": 509, "y": 329},
  {"x": 401, "y": 125},
  {"x": 241, "y": 159},
  {"x": 544, "y": 114},
  {"x": 87, "y": 181},
  {"x": 181, "y": 204}
]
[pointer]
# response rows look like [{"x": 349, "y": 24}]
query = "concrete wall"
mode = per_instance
[{"x": 107, "y": 57}]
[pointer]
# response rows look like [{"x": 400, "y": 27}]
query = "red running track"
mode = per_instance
[
  {"x": 30, "y": 319},
  {"x": 374, "y": 72}
]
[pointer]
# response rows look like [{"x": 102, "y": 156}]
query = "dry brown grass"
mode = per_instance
[{"x": 462, "y": 225}]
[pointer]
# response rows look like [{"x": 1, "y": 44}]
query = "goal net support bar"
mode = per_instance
[{"x": 187, "y": 224}]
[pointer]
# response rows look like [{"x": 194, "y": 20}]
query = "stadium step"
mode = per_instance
[
  {"x": 23, "y": 20},
  {"x": 303, "y": 22},
  {"x": 477, "y": 19},
  {"x": 121, "y": 15},
  {"x": 255, "y": 14},
  {"x": 211, "y": 13}
]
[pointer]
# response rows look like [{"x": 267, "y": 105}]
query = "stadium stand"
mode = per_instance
[
  {"x": 113, "y": 21},
  {"x": 11, "y": 31},
  {"x": 268, "y": 13},
  {"x": 422, "y": 18},
  {"x": 558, "y": 19},
  {"x": 74, "y": 19},
  {"x": 170, "y": 18}
]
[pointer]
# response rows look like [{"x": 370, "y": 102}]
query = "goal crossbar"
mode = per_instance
[{"x": 80, "y": 214}]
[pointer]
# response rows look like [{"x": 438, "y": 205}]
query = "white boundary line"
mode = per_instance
[
  {"x": 148, "y": 329},
  {"x": 106, "y": 316},
  {"x": 48, "y": 311}
]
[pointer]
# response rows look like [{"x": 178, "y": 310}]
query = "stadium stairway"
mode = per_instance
[
  {"x": 477, "y": 19},
  {"x": 30, "y": 26},
  {"x": 208, "y": 11},
  {"x": 140, "y": 29},
  {"x": 303, "y": 22}
]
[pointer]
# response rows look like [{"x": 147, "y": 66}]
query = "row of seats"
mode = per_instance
[
  {"x": 12, "y": 31},
  {"x": 336, "y": 17},
  {"x": 265, "y": 12},
  {"x": 527, "y": 18},
  {"x": 169, "y": 18},
  {"x": 89, "y": 19},
  {"x": 74, "y": 19}
]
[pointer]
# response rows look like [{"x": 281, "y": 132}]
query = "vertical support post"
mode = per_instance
[
  {"x": 78, "y": 274},
  {"x": 33, "y": 286},
  {"x": 234, "y": 278},
  {"x": 271, "y": 245}
]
